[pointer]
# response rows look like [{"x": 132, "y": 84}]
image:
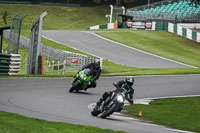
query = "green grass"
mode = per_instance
[
  {"x": 77, "y": 18},
  {"x": 185, "y": 111},
  {"x": 13, "y": 123},
  {"x": 58, "y": 18},
  {"x": 160, "y": 43},
  {"x": 179, "y": 113}
]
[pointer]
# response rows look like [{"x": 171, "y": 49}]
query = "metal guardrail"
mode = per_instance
[
  {"x": 61, "y": 55},
  {"x": 56, "y": 54},
  {"x": 10, "y": 64}
]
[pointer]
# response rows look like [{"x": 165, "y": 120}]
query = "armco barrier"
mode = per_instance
[
  {"x": 184, "y": 31},
  {"x": 105, "y": 26},
  {"x": 194, "y": 35},
  {"x": 189, "y": 34},
  {"x": 198, "y": 37},
  {"x": 9, "y": 64},
  {"x": 162, "y": 26}
]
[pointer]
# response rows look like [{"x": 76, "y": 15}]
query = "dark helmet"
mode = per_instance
[
  {"x": 129, "y": 81},
  {"x": 97, "y": 63}
]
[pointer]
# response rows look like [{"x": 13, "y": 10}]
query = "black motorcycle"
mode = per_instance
[{"x": 111, "y": 104}]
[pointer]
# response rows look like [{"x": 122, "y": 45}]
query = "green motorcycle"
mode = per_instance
[{"x": 81, "y": 80}]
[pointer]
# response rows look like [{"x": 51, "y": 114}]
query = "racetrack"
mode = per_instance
[
  {"x": 49, "y": 99},
  {"x": 106, "y": 49}
]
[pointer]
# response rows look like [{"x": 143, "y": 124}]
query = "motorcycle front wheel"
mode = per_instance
[
  {"x": 109, "y": 111},
  {"x": 74, "y": 86}
]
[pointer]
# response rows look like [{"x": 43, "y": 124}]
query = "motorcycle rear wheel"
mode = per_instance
[{"x": 95, "y": 112}]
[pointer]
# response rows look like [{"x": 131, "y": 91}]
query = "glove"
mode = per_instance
[
  {"x": 115, "y": 84},
  {"x": 92, "y": 80}
]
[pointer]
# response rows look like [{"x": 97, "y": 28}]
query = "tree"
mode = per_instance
[{"x": 5, "y": 16}]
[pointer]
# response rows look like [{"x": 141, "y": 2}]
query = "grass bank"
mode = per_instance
[
  {"x": 58, "y": 18},
  {"x": 160, "y": 43},
  {"x": 13, "y": 123},
  {"x": 179, "y": 113}
]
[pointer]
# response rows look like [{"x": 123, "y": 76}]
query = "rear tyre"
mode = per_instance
[
  {"x": 109, "y": 111},
  {"x": 95, "y": 112},
  {"x": 74, "y": 87}
]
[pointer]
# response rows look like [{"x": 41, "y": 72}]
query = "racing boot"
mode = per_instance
[
  {"x": 119, "y": 110},
  {"x": 88, "y": 86}
]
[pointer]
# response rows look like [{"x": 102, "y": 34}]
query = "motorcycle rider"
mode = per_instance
[
  {"x": 127, "y": 83},
  {"x": 95, "y": 72}
]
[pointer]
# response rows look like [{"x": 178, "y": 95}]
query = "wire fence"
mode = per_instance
[
  {"x": 14, "y": 36},
  {"x": 73, "y": 61}
]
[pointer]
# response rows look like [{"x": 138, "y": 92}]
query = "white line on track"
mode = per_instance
[
  {"x": 122, "y": 45},
  {"x": 68, "y": 46},
  {"x": 141, "y": 50},
  {"x": 180, "y": 75}
]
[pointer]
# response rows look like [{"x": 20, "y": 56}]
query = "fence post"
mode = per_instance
[
  {"x": 64, "y": 66},
  {"x": 58, "y": 67},
  {"x": 52, "y": 72},
  {"x": 42, "y": 65},
  {"x": 47, "y": 67}
]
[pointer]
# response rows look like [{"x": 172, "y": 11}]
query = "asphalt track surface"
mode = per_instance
[
  {"x": 106, "y": 49},
  {"x": 49, "y": 99}
]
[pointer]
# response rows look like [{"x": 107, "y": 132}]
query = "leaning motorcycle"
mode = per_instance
[
  {"x": 81, "y": 80},
  {"x": 111, "y": 104}
]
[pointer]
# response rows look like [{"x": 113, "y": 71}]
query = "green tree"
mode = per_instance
[{"x": 5, "y": 16}]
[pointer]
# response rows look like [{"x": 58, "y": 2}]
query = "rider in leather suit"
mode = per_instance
[
  {"x": 95, "y": 72},
  {"x": 128, "y": 83}
]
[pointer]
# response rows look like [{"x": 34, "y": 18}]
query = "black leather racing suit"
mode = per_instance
[{"x": 118, "y": 85}]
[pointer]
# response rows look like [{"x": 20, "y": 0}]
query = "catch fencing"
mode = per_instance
[
  {"x": 14, "y": 36},
  {"x": 73, "y": 60}
]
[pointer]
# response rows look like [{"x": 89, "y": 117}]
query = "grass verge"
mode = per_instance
[
  {"x": 13, "y": 123},
  {"x": 58, "y": 18},
  {"x": 159, "y": 43},
  {"x": 179, "y": 113}
]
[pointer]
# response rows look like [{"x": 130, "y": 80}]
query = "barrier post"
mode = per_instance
[{"x": 42, "y": 65}]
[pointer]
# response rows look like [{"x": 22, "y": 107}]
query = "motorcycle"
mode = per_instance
[
  {"x": 112, "y": 104},
  {"x": 81, "y": 80}
]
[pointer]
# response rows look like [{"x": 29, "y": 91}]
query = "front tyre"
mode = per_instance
[
  {"x": 109, "y": 111},
  {"x": 74, "y": 87}
]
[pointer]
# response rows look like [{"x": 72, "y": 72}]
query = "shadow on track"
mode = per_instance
[
  {"x": 112, "y": 119},
  {"x": 83, "y": 93}
]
